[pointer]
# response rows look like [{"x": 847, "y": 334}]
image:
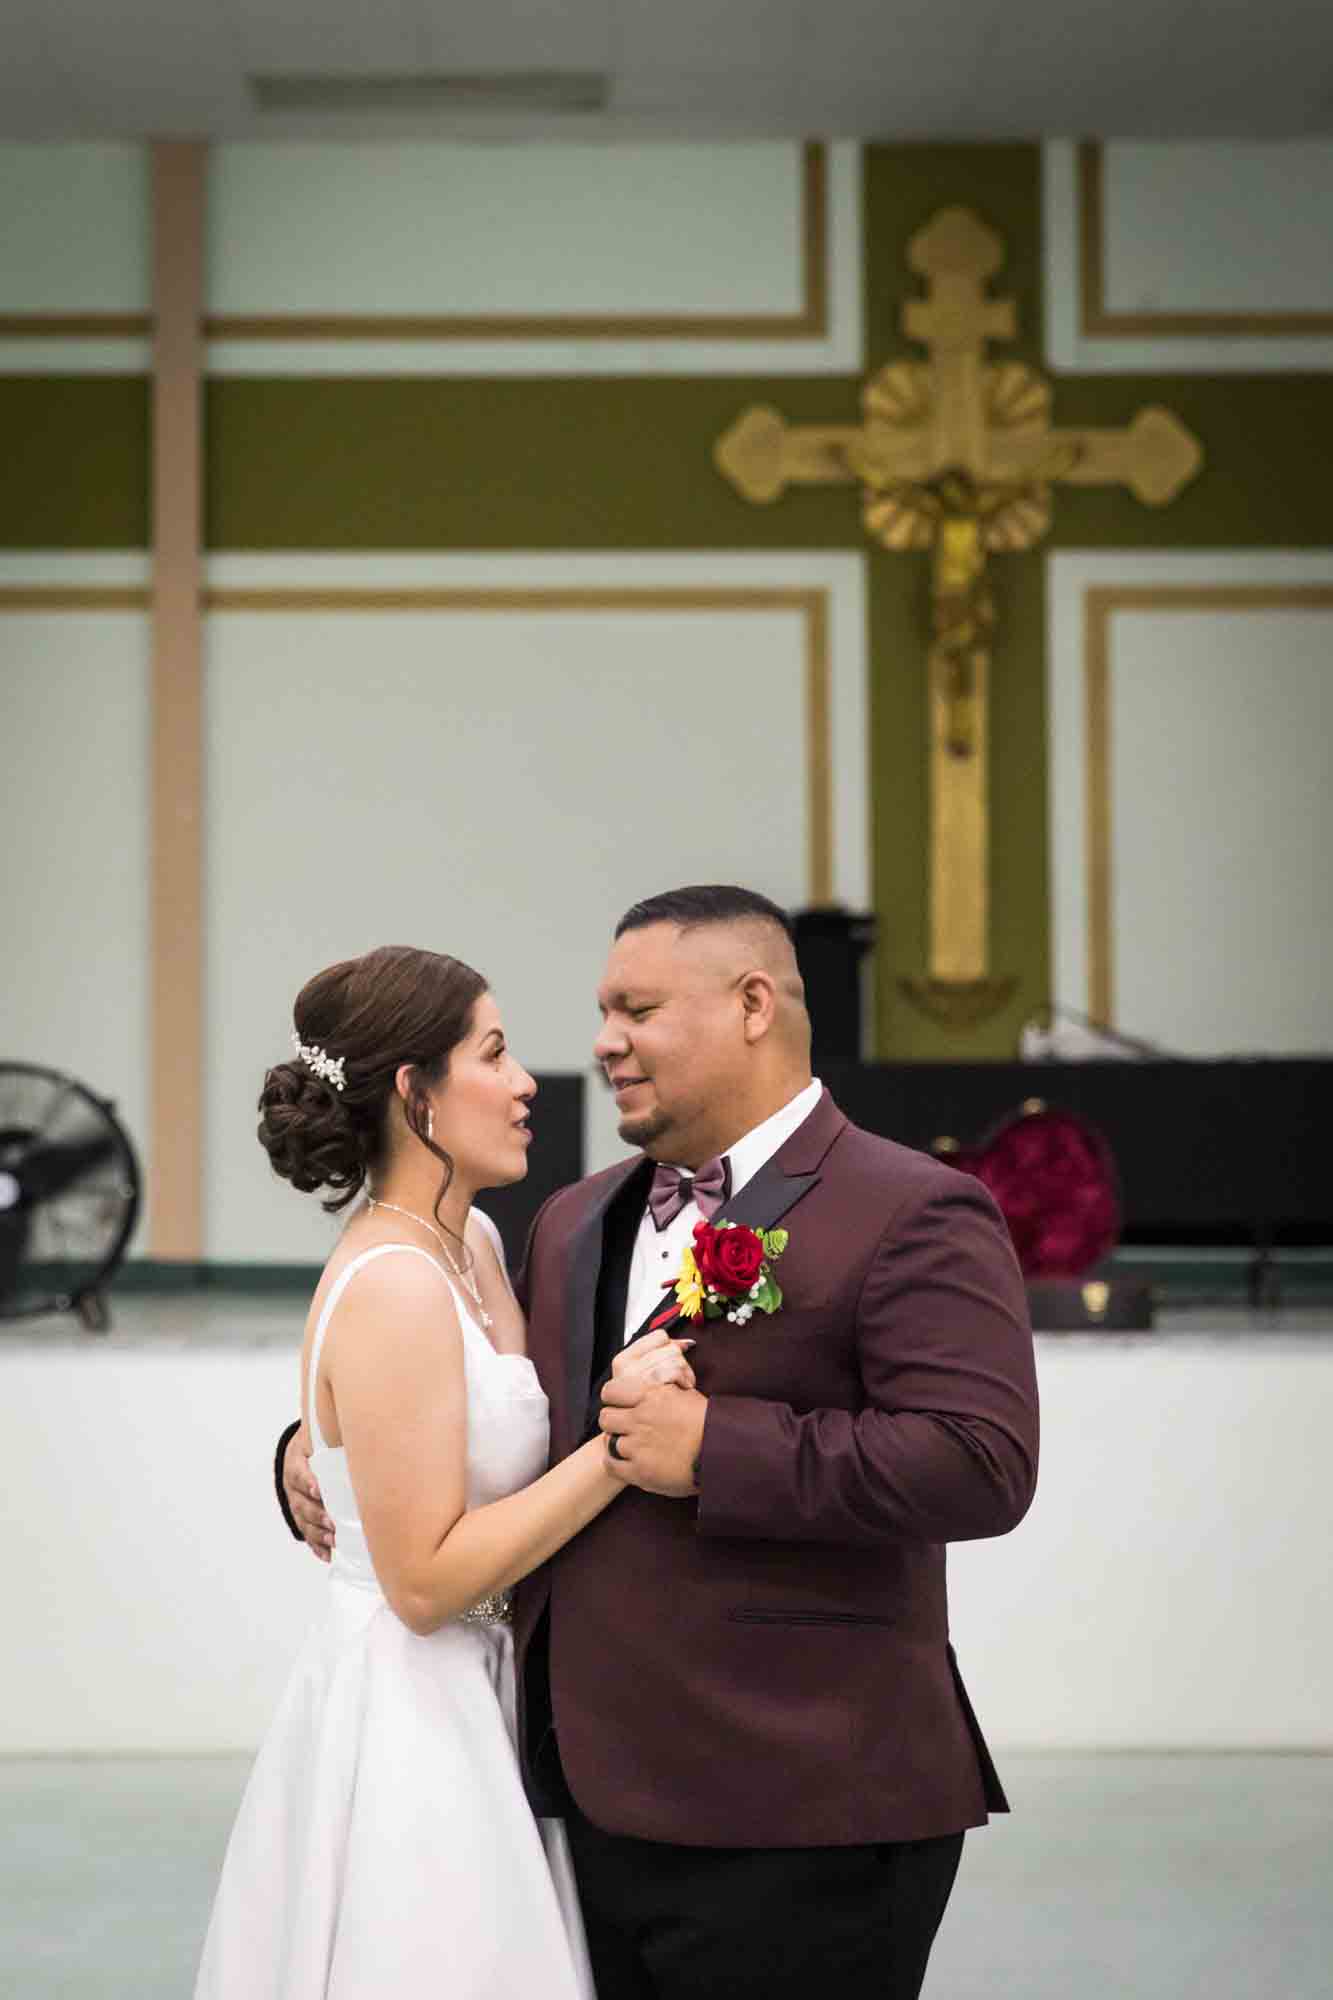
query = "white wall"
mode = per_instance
[
  {"x": 74, "y": 229},
  {"x": 420, "y": 228},
  {"x": 497, "y": 782},
  {"x": 1220, "y": 716},
  {"x": 1221, "y": 725},
  {"x": 73, "y": 887},
  {"x": 1229, "y": 231},
  {"x": 1238, "y": 228},
  {"x": 158, "y": 1600},
  {"x": 1221, "y": 929},
  {"x": 75, "y": 239},
  {"x": 1169, "y": 1588},
  {"x": 476, "y": 771}
]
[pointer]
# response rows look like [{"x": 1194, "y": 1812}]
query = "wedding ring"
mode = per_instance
[{"x": 613, "y": 1448}]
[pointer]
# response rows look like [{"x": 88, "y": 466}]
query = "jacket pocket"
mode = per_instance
[{"x": 755, "y": 1616}]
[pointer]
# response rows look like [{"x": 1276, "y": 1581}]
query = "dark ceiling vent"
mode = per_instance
[{"x": 540, "y": 90}]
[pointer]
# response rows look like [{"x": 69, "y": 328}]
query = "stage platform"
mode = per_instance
[{"x": 1168, "y": 1591}]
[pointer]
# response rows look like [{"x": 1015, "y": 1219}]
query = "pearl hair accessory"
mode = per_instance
[{"x": 328, "y": 1068}]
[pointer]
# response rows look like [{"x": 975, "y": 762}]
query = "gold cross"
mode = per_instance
[{"x": 957, "y": 455}]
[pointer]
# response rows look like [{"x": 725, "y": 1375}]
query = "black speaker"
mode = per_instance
[
  {"x": 830, "y": 944},
  {"x": 556, "y": 1159}
]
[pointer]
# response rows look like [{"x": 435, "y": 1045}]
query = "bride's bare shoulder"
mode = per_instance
[{"x": 394, "y": 1285}]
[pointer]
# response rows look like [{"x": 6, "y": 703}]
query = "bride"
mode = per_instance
[{"x": 384, "y": 1844}]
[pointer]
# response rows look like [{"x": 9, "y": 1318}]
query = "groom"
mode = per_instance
[{"x": 737, "y": 1684}]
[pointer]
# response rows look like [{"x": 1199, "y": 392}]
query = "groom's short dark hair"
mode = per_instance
[{"x": 706, "y": 903}]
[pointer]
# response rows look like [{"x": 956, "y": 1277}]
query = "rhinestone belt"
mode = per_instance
[{"x": 495, "y": 1610}]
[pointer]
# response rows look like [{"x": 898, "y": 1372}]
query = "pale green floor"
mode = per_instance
[{"x": 1140, "y": 1876}]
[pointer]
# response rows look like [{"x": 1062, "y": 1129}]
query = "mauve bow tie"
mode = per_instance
[{"x": 707, "y": 1189}]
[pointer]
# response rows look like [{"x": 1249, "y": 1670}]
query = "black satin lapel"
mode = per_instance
[
  {"x": 585, "y": 1261},
  {"x": 620, "y": 1229},
  {"x": 585, "y": 1266},
  {"x": 675, "y": 1326},
  {"x": 762, "y": 1202}
]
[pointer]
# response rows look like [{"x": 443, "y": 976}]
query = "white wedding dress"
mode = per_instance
[{"x": 384, "y": 1849}]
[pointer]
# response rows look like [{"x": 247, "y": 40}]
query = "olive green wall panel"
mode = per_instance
[
  {"x": 503, "y": 463},
  {"x": 76, "y": 460},
  {"x": 1264, "y": 482}
]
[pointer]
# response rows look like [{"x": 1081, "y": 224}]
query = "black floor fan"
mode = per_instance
[{"x": 69, "y": 1196}]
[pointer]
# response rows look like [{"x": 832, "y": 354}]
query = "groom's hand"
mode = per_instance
[
  {"x": 658, "y": 1431},
  {"x": 305, "y": 1499}
]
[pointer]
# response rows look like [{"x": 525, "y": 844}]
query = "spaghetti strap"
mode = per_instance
[
  {"x": 336, "y": 1291},
  {"x": 493, "y": 1237}
]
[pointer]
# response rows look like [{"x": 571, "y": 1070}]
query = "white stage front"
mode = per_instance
[{"x": 1169, "y": 1589}]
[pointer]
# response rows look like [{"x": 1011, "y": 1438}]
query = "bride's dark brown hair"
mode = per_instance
[{"x": 393, "y": 1006}]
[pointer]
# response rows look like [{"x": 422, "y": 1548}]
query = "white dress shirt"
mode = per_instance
[{"x": 657, "y": 1252}]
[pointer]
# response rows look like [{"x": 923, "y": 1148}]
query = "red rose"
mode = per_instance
[{"x": 728, "y": 1259}]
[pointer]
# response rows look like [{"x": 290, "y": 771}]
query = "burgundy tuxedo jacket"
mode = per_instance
[{"x": 768, "y": 1665}]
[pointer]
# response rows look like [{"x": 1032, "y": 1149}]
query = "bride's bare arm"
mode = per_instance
[{"x": 393, "y": 1360}]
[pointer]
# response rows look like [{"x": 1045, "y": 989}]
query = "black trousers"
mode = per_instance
[{"x": 759, "y": 1923}]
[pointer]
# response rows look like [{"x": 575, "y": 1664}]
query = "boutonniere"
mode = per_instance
[{"x": 728, "y": 1273}]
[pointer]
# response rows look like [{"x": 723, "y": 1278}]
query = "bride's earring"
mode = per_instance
[{"x": 430, "y": 1124}]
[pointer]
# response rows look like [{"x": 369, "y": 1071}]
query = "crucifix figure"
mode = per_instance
[{"x": 957, "y": 455}]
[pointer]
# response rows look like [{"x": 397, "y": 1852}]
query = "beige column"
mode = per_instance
[{"x": 174, "y": 1165}]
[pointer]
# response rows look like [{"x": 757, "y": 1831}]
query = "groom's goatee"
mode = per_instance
[{"x": 641, "y": 1131}]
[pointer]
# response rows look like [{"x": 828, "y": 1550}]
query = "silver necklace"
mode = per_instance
[{"x": 465, "y": 1277}]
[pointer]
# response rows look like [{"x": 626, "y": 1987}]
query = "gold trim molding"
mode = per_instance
[
  {"x": 75, "y": 597},
  {"x": 1100, "y": 321},
  {"x": 1101, "y": 602},
  {"x": 809, "y": 322},
  {"x": 76, "y": 326}
]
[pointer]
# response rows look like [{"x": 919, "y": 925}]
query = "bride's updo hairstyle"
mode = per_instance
[{"x": 362, "y": 1020}]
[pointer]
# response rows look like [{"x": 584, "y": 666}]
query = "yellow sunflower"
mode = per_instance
[{"x": 690, "y": 1287}]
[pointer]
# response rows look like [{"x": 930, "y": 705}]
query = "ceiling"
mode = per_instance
[{"x": 679, "y": 68}]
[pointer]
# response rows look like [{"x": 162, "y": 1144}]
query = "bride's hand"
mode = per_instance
[{"x": 655, "y": 1358}]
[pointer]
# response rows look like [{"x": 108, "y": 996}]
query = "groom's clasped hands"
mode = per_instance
[{"x": 653, "y": 1416}]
